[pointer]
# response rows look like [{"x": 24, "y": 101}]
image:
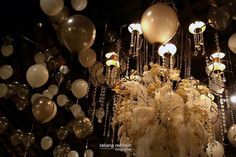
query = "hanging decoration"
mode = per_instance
[
  {"x": 113, "y": 66},
  {"x": 197, "y": 28}
]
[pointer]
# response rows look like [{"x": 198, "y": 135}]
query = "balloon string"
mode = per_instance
[{"x": 28, "y": 142}]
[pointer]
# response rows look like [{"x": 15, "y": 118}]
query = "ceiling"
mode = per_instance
[{"x": 32, "y": 32}]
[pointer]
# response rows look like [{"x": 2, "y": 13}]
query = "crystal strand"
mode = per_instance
[
  {"x": 137, "y": 44},
  {"x": 114, "y": 114},
  {"x": 89, "y": 85},
  {"x": 106, "y": 117},
  {"x": 132, "y": 39},
  {"x": 189, "y": 58},
  {"x": 203, "y": 45},
  {"x": 137, "y": 56},
  {"x": 109, "y": 127},
  {"x": 146, "y": 50},
  {"x": 195, "y": 45},
  {"x": 94, "y": 103},
  {"x": 127, "y": 67},
  {"x": 217, "y": 42},
  {"x": 101, "y": 101},
  {"x": 223, "y": 113},
  {"x": 221, "y": 128}
]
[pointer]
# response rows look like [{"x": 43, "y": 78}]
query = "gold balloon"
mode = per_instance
[
  {"x": 219, "y": 17},
  {"x": 78, "y": 33},
  {"x": 28, "y": 139},
  {"x": 159, "y": 23},
  {"x": 43, "y": 108},
  {"x": 62, "y": 133},
  {"x": 16, "y": 137},
  {"x": 87, "y": 58},
  {"x": 3, "y": 124},
  {"x": 82, "y": 127}
]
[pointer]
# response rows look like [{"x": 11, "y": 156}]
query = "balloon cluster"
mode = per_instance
[
  {"x": 18, "y": 137},
  {"x": 18, "y": 93}
]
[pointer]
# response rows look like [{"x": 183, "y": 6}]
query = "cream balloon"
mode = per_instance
[
  {"x": 52, "y": 7},
  {"x": 88, "y": 153},
  {"x": 3, "y": 90},
  {"x": 76, "y": 111},
  {"x": 6, "y": 71},
  {"x": 37, "y": 75},
  {"x": 159, "y": 23},
  {"x": 79, "y": 88},
  {"x": 62, "y": 100},
  {"x": 53, "y": 89},
  {"x": 47, "y": 94},
  {"x": 34, "y": 97},
  {"x": 73, "y": 153},
  {"x": 87, "y": 58},
  {"x": 46, "y": 142},
  {"x": 232, "y": 135},
  {"x": 79, "y": 5},
  {"x": 39, "y": 58},
  {"x": 215, "y": 149},
  {"x": 232, "y": 43},
  {"x": 7, "y": 50}
]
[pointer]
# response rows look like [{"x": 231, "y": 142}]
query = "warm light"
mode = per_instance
[
  {"x": 216, "y": 66},
  {"x": 135, "y": 27},
  {"x": 112, "y": 59},
  {"x": 167, "y": 48},
  {"x": 218, "y": 55},
  {"x": 233, "y": 99},
  {"x": 110, "y": 54},
  {"x": 197, "y": 27}
]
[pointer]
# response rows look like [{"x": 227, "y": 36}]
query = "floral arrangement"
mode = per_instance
[{"x": 160, "y": 118}]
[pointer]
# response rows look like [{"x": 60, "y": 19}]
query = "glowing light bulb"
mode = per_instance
[{"x": 233, "y": 98}]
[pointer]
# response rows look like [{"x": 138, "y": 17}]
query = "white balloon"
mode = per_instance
[
  {"x": 215, "y": 149},
  {"x": 6, "y": 71},
  {"x": 34, "y": 97},
  {"x": 232, "y": 43},
  {"x": 46, "y": 142},
  {"x": 232, "y": 135},
  {"x": 79, "y": 88},
  {"x": 62, "y": 100},
  {"x": 87, "y": 58},
  {"x": 3, "y": 90},
  {"x": 7, "y": 50},
  {"x": 37, "y": 75},
  {"x": 79, "y": 5},
  {"x": 73, "y": 153},
  {"x": 76, "y": 111},
  {"x": 53, "y": 89},
  {"x": 52, "y": 7},
  {"x": 39, "y": 58},
  {"x": 47, "y": 94},
  {"x": 88, "y": 153}
]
